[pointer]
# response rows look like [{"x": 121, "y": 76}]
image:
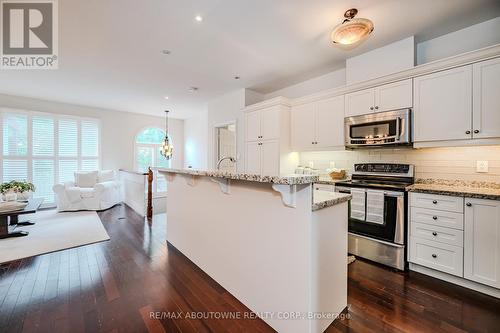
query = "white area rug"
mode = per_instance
[{"x": 53, "y": 231}]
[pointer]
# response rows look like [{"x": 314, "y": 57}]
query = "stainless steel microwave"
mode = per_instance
[{"x": 381, "y": 129}]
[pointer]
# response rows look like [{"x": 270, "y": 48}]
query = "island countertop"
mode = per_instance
[
  {"x": 293, "y": 179},
  {"x": 323, "y": 199}
]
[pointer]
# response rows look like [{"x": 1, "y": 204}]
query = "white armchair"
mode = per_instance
[{"x": 95, "y": 190}]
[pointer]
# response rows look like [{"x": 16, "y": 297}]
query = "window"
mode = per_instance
[
  {"x": 147, "y": 154},
  {"x": 46, "y": 149}
]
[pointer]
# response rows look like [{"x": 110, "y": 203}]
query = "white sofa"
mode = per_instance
[{"x": 95, "y": 190}]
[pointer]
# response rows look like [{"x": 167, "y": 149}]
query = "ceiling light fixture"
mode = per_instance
[
  {"x": 166, "y": 149},
  {"x": 166, "y": 52},
  {"x": 352, "y": 30},
  {"x": 193, "y": 89},
  {"x": 236, "y": 77},
  {"x": 166, "y": 97},
  {"x": 198, "y": 18}
]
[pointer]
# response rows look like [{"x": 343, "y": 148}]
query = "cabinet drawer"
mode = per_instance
[
  {"x": 438, "y": 218},
  {"x": 438, "y": 256},
  {"x": 434, "y": 201},
  {"x": 438, "y": 234},
  {"x": 324, "y": 187}
]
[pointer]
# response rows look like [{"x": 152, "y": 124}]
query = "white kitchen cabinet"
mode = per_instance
[
  {"x": 270, "y": 158},
  {"x": 318, "y": 125},
  {"x": 392, "y": 96},
  {"x": 253, "y": 158},
  {"x": 330, "y": 122},
  {"x": 486, "y": 99},
  {"x": 263, "y": 124},
  {"x": 303, "y": 124},
  {"x": 252, "y": 121},
  {"x": 482, "y": 241},
  {"x": 443, "y": 105},
  {"x": 360, "y": 102},
  {"x": 267, "y": 138}
]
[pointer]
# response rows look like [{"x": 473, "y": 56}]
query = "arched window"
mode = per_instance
[{"x": 147, "y": 154}]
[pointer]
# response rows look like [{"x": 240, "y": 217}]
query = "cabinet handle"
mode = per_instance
[
  {"x": 476, "y": 131},
  {"x": 467, "y": 132},
  {"x": 468, "y": 204},
  {"x": 376, "y": 108},
  {"x": 434, "y": 255},
  {"x": 434, "y": 233},
  {"x": 316, "y": 142},
  {"x": 434, "y": 217},
  {"x": 434, "y": 201},
  {"x": 371, "y": 107},
  {"x": 312, "y": 142}
]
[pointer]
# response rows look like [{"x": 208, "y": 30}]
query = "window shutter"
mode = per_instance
[
  {"x": 43, "y": 179},
  {"x": 90, "y": 138},
  {"x": 68, "y": 137},
  {"x": 15, "y": 170},
  {"x": 90, "y": 165},
  {"x": 15, "y": 135},
  {"x": 67, "y": 169},
  {"x": 43, "y": 136}
]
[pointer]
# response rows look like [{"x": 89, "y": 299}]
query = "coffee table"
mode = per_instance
[{"x": 32, "y": 206}]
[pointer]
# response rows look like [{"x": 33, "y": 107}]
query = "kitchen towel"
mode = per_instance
[
  {"x": 375, "y": 206},
  {"x": 358, "y": 204}
]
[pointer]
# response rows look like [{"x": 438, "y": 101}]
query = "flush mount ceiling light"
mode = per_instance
[
  {"x": 198, "y": 18},
  {"x": 352, "y": 30}
]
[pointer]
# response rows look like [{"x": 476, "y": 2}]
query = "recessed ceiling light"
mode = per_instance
[
  {"x": 236, "y": 77},
  {"x": 166, "y": 97},
  {"x": 193, "y": 89},
  {"x": 198, "y": 18},
  {"x": 166, "y": 52}
]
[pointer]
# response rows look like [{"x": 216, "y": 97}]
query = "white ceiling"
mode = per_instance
[{"x": 110, "y": 51}]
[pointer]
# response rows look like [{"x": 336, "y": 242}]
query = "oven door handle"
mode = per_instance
[{"x": 399, "y": 232}]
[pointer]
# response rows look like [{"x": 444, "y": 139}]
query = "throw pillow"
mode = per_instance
[
  {"x": 85, "y": 179},
  {"x": 106, "y": 176}
]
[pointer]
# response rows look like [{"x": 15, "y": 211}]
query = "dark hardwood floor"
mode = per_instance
[{"x": 119, "y": 285}]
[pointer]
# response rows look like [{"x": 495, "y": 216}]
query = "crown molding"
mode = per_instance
[
  {"x": 283, "y": 101},
  {"x": 463, "y": 59}
]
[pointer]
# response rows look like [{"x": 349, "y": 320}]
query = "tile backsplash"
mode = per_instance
[{"x": 454, "y": 163}]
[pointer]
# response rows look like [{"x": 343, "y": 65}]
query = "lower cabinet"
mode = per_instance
[
  {"x": 262, "y": 158},
  {"x": 482, "y": 241},
  {"x": 463, "y": 244},
  {"x": 440, "y": 256}
]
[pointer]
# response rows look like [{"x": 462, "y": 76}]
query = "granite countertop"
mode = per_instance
[
  {"x": 480, "y": 190},
  {"x": 325, "y": 199},
  {"x": 293, "y": 179}
]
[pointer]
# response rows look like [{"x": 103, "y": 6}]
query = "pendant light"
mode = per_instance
[
  {"x": 166, "y": 149},
  {"x": 352, "y": 30}
]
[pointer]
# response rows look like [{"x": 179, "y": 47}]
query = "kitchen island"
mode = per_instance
[{"x": 266, "y": 240}]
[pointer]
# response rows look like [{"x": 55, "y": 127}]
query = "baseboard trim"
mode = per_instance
[{"x": 456, "y": 280}]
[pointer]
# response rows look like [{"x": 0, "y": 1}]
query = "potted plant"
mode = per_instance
[{"x": 23, "y": 190}]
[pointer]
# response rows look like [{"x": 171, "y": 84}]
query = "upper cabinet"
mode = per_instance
[
  {"x": 267, "y": 139},
  {"x": 443, "y": 105},
  {"x": 263, "y": 124},
  {"x": 486, "y": 100},
  {"x": 318, "y": 125},
  {"x": 458, "y": 105},
  {"x": 392, "y": 96}
]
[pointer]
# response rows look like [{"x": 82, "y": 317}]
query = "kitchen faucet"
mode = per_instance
[{"x": 232, "y": 159}]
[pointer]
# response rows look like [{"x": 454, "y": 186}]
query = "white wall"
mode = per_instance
[
  {"x": 118, "y": 129},
  {"x": 196, "y": 141},
  {"x": 468, "y": 39},
  {"x": 323, "y": 82}
]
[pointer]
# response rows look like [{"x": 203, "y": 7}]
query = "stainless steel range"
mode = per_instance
[{"x": 377, "y": 211}]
